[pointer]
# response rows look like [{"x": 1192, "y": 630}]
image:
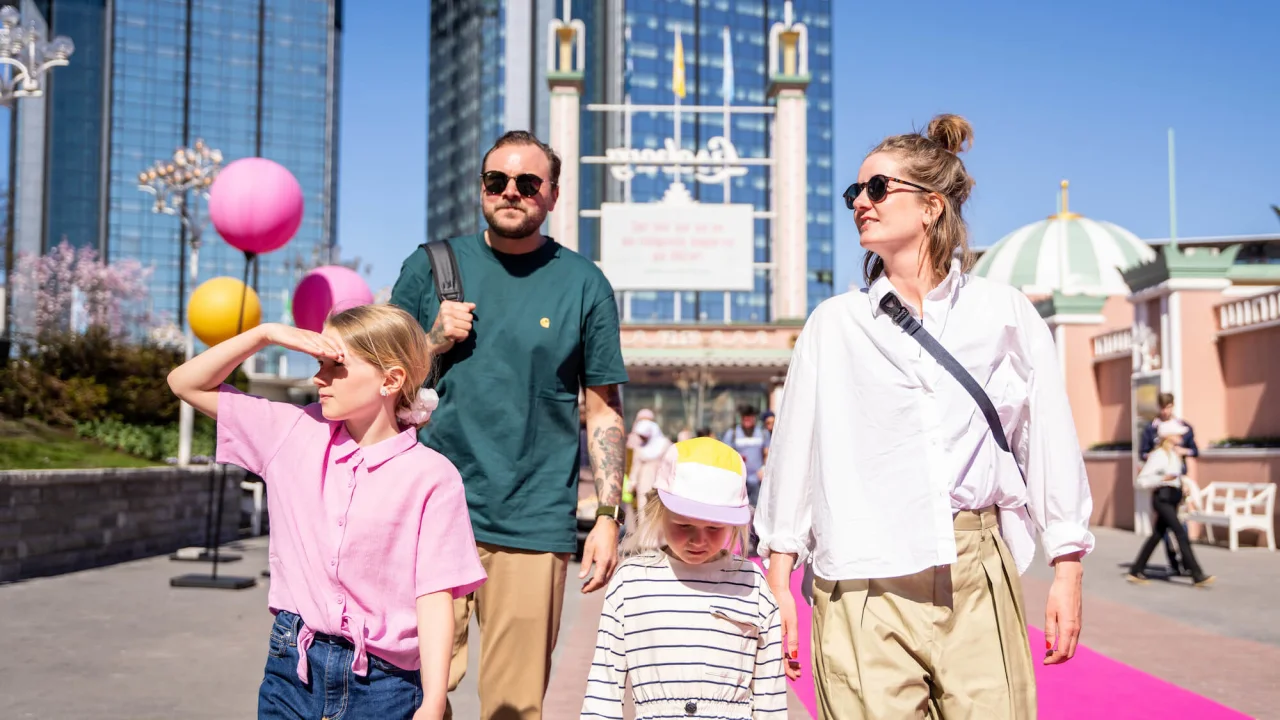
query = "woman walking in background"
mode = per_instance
[{"x": 1163, "y": 475}]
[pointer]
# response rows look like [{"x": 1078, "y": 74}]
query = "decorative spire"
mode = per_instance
[{"x": 1064, "y": 210}]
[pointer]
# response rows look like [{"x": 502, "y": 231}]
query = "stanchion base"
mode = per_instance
[
  {"x": 194, "y": 554},
  {"x": 222, "y": 582}
]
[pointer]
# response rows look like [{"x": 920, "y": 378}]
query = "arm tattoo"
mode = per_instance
[{"x": 607, "y": 448}]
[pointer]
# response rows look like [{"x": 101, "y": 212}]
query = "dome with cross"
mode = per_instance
[{"x": 1067, "y": 253}]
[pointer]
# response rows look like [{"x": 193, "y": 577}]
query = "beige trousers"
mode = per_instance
[
  {"x": 946, "y": 643},
  {"x": 518, "y": 610}
]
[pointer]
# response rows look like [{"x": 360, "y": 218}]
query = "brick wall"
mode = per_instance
[{"x": 56, "y": 521}]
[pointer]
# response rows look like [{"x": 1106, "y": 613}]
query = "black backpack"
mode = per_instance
[{"x": 444, "y": 270}]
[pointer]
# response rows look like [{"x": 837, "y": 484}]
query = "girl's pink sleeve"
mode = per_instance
[
  {"x": 252, "y": 429},
  {"x": 447, "y": 555}
]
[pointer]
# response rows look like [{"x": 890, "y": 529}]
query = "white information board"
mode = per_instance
[{"x": 656, "y": 246}]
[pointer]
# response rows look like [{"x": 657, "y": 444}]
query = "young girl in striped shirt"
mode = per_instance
[{"x": 692, "y": 626}]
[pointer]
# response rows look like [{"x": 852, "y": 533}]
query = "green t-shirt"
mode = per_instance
[{"x": 546, "y": 323}]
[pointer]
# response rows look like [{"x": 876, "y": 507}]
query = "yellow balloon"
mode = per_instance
[{"x": 214, "y": 310}]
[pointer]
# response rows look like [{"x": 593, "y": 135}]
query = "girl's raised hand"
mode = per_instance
[{"x": 311, "y": 343}]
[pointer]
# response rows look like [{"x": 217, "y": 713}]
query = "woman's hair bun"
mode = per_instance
[{"x": 952, "y": 132}]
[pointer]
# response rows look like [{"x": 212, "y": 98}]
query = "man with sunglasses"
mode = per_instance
[{"x": 539, "y": 323}]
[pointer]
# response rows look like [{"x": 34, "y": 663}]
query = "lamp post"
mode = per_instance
[
  {"x": 25, "y": 58},
  {"x": 179, "y": 185}
]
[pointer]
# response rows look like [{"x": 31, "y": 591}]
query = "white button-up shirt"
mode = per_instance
[{"x": 877, "y": 446}]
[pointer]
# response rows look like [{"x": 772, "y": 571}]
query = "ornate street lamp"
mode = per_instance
[
  {"x": 26, "y": 57},
  {"x": 180, "y": 186}
]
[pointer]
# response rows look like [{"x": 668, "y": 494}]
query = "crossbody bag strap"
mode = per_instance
[{"x": 901, "y": 316}]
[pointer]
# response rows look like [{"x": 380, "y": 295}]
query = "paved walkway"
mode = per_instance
[{"x": 119, "y": 643}]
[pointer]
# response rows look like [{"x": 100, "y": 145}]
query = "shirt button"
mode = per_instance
[
  {"x": 340, "y": 599},
  {"x": 690, "y": 707},
  {"x": 333, "y": 562},
  {"x": 340, "y": 521}
]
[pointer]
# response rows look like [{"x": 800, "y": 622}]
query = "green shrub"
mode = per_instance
[
  {"x": 154, "y": 442},
  {"x": 75, "y": 378}
]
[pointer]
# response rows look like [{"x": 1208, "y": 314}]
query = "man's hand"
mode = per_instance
[
  {"x": 1062, "y": 614},
  {"x": 601, "y": 548},
  {"x": 452, "y": 325}
]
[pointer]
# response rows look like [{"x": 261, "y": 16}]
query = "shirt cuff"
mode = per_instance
[
  {"x": 767, "y": 547},
  {"x": 1064, "y": 538}
]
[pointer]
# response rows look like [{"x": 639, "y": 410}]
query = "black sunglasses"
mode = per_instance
[
  {"x": 877, "y": 188},
  {"x": 495, "y": 183}
]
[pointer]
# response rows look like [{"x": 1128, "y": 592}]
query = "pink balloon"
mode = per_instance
[
  {"x": 325, "y": 291},
  {"x": 256, "y": 205}
]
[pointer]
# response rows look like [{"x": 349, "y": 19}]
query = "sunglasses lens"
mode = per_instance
[
  {"x": 528, "y": 185},
  {"x": 851, "y": 194},
  {"x": 494, "y": 182},
  {"x": 877, "y": 188}
]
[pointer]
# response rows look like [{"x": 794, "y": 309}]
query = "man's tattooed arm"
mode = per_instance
[{"x": 606, "y": 441}]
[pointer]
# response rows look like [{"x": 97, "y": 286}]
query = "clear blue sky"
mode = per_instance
[{"x": 1084, "y": 91}]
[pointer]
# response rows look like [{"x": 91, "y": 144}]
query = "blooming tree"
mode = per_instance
[{"x": 68, "y": 287}]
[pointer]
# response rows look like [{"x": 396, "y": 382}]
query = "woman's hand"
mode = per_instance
[
  {"x": 305, "y": 341},
  {"x": 779, "y": 577},
  {"x": 1062, "y": 614}
]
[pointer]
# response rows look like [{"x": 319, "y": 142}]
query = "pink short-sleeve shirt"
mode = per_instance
[{"x": 357, "y": 533}]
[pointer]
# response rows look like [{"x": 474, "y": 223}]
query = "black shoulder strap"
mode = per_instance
[
  {"x": 444, "y": 268},
  {"x": 901, "y": 316}
]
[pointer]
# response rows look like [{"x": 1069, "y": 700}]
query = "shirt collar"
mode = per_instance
[
  {"x": 945, "y": 290},
  {"x": 345, "y": 447}
]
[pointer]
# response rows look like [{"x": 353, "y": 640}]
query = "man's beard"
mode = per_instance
[{"x": 513, "y": 229}]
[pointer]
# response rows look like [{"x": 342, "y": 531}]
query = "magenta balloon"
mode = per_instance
[
  {"x": 256, "y": 205},
  {"x": 327, "y": 290}
]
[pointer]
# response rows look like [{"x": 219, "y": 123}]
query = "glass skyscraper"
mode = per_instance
[
  {"x": 249, "y": 77},
  {"x": 630, "y": 51}
]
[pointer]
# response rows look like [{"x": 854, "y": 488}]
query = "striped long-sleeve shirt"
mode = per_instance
[{"x": 695, "y": 641}]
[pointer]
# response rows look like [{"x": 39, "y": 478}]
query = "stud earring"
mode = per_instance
[{"x": 382, "y": 392}]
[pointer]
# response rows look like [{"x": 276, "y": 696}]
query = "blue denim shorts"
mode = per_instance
[{"x": 334, "y": 692}]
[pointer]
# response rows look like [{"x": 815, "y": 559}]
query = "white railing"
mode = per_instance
[
  {"x": 1114, "y": 344},
  {"x": 1246, "y": 313}
]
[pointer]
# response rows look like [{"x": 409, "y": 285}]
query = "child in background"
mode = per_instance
[
  {"x": 693, "y": 626},
  {"x": 370, "y": 536}
]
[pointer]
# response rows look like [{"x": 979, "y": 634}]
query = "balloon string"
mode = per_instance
[{"x": 244, "y": 292}]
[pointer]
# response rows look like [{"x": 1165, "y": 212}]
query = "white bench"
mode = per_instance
[{"x": 1239, "y": 506}]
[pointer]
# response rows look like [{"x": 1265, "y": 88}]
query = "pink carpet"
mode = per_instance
[{"x": 1089, "y": 686}]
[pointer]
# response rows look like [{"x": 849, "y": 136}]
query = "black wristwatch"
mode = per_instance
[{"x": 610, "y": 511}]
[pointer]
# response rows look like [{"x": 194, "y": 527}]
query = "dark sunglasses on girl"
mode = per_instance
[
  {"x": 495, "y": 183},
  {"x": 877, "y": 188}
]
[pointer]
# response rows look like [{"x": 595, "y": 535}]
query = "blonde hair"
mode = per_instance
[
  {"x": 645, "y": 534},
  {"x": 388, "y": 337},
  {"x": 933, "y": 160}
]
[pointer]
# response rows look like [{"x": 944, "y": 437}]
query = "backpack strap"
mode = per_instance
[
  {"x": 901, "y": 316},
  {"x": 444, "y": 270}
]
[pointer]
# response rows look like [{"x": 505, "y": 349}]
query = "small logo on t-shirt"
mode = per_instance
[{"x": 545, "y": 322}]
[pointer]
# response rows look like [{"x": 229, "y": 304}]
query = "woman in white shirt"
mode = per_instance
[
  {"x": 887, "y": 475},
  {"x": 1162, "y": 474}
]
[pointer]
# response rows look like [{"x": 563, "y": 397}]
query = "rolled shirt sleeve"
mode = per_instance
[
  {"x": 784, "y": 514},
  {"x": 447, "y": 555},
  {"x": 251, "y": 430},
  {"x": 1058, "y": 497}
]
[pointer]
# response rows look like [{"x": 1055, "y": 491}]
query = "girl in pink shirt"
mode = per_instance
[{"x": 370, "y": 536}]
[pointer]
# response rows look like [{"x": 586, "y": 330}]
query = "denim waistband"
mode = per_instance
[{"x": 294, "y": 622}]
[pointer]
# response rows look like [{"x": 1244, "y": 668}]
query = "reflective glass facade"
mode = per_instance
[
  {"x": 650, "y": 54},
  {"x": 250, "y": 78}
]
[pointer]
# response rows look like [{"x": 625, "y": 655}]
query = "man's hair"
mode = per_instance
[
  {"x": 749, "y": 411},
  {"x": 1165, "y": 400},
  {"x": 524, "y": 137}
]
